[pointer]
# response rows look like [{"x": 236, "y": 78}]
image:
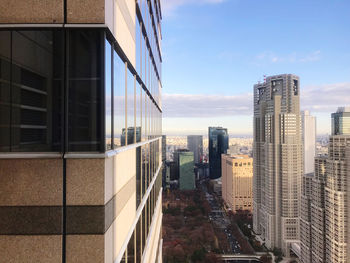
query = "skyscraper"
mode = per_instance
[
  {"x": 278, "y": 161},
  {"x": 195, "y": 145},
  {"x": 80, "y": 131},
  {"x": 218, "y": 144},
  {"x": 308, "y": 123},
  {"x": 337, "y": 205}
]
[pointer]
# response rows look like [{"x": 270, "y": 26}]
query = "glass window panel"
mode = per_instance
[
  {"x": 108, "y": 94},
  {"x": 131, "y": 83},
  {"x": 5, "y": 90},
  {"x": 138, "y": 112},
  {"x": 84, "y": 95},
  {"x": 138, "y": 177},
  {"x": 143, "y": 115},
  {"x": 131, "y": 249},
  {"x": 36, "y": 90},
  {"x": 138, "y": 34},
  {"x": 119, "y": 100}
]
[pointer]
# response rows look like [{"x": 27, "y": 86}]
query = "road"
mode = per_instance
[{"x": 220, "y": 220}]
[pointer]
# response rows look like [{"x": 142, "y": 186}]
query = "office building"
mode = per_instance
[
  {"x": 184, "y": 161},
  {"x": 278, "y": 161},
  {"x": 218, "y": 144},
  {"x": 195, "y": 145},
  {"x": 237, "y": 182},
  {"x": 337, "y": 188},
  {"x": 80, "y": 126},
  {"x": 308, "y": 124},
  {"x": 318, "y": 239}
]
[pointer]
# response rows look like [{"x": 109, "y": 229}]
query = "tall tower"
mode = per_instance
[
  {"x": 309, "y": 151},
  {"x": 195, "y": 145},
  {"x": 278, "y": 160},
  {"x": 337, "y": 189},
  {"x": 218, "y": 144}
]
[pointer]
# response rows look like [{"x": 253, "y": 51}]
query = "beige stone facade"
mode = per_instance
[
  {"x": 278, "y": 161},
  {"x": 237, "y": 182},
  {"x": 80, "y": 182}
]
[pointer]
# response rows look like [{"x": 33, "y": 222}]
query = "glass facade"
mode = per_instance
[
  {"x": 218, "y": 144},
  {"x": 69, "y": 90}
]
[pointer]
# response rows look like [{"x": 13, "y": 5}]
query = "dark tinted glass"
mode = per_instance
[
  {"x": 85, "y": 90},
  {"x": 31, "y": 99},
  {"x": 5, "y": 90}
]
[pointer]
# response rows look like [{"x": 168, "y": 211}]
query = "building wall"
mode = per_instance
[
  {"x": 237, "y": 182},
  {"x": 309, "y": 141},
  {"x": 195, "y": 145},
  {"x": 186, "y": 171},
  {"x": 278, "y": 164},
  {"x": 87, "y": 187}
]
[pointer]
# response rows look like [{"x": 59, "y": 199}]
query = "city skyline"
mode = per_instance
[{"x": 198, "y": 95}]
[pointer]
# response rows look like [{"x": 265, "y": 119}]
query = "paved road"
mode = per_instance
[{"x": 220, "y": 220}]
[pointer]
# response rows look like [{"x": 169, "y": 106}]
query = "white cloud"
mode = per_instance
[
  {"x": 325, "y": 98},
  {"x": 294, "y": 57},
  {"x": 170, "y": 6},
  {"x": 318, "y": 99},
  {"x": 202, "y": 106}
]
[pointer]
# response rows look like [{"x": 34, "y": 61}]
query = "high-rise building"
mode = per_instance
[
  {"x": 318, "y": 242},
  {"x": 184, "y": 161},
  {"x": 237, "y": 181},
  {"x": 195, "y": 145},
  {"x": 328, "y": 237},
  {"x": 278, "y": 161},
  {"x": 218, "y": 144},
  {"x": 308, "y": 124},
  {"x": 337, "y": 205},
  {"x": 80, "y": 131}
]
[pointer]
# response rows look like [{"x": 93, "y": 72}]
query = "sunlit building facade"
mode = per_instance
[
  {"x": 195, "y": 145},
  {"x": 278, "y": 161},
  {"x": 337, "y": 206},
  {"x": 80, "y": 131},
  {"x": 237, "y": 182}
]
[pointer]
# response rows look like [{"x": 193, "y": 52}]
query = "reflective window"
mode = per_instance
[
  {"x": 84, "y": 93},
  {"x": 119, "y": 100},
  {"x": 108, "y": 94},
  {"x": 131, "y": 84},
  {"x": 31, "y": 90},
  {"x": 138, "y": 112}
]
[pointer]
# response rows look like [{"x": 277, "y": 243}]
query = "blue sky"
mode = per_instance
[{"x": 214, "y": 51}]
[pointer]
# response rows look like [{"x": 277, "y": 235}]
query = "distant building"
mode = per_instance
[
  {"x": 318, "y": 239},
  {"x": 337, "y": 205},
  {"x": 308, "y": 124},
  {"x": 185, "y": 169},
  {"x": 237, "y": 181},
  {"x": 325, "y": 225},
  {"x": 278, "y": 161},
  {"x": 218, "y": 144},
  {"x": 195, "y": 145}
]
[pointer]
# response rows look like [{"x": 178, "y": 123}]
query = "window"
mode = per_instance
[
  {"x": 31, "y": 90},
  {"x": 84, "y": 92},
  {"x": 131, "y": 84},
  {"x": 108, "y": 94},
  {"x": 119, "y": 100}
]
